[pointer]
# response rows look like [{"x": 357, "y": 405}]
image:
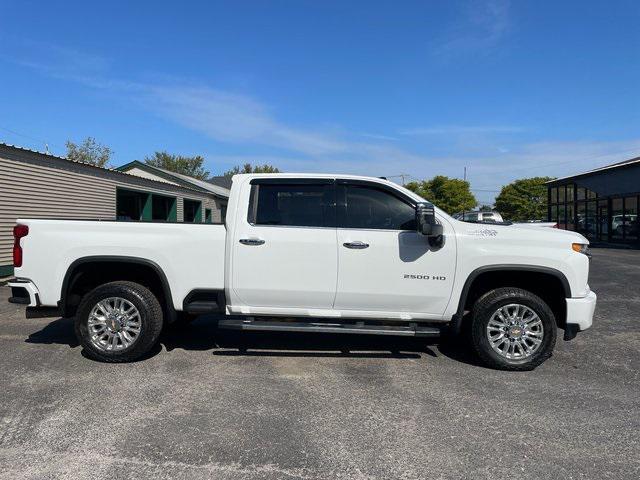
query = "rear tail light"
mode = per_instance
[
  {"x": 554, "y": 226},
  {"x": 19, "y": 231}
]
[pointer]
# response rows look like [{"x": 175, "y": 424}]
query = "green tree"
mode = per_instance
[
  {"x": 524, "y": 199},
  {"x": 450, "y": 194},
  {"x": 486, "y": 208},
  {"x": 192, "y": 166},
  {"x": 248, "y": 168},
  {"x": 89, "y": 151}
]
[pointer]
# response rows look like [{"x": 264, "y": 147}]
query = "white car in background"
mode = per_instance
[
  {"x": 537, "y": 223},
  {"x": 495, "y": 217},
  {"x": 621, "y": 222},
  {"x": 491, "y": 216}
]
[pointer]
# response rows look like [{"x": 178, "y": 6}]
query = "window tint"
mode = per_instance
[
  {"x": 470, "y": 217},
  {"x": 370, "y": 207},
  {"x": 292, "y": 205}
]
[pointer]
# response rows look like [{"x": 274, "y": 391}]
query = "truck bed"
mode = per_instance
[{"x": 191, "y": 255}]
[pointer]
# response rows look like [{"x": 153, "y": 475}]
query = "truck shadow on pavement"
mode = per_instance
[
  {"x": 203, "y": 334},
  {"x": 57, "y": 332}
]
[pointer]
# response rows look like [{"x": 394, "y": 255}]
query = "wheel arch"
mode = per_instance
[
  {"x": 145, "y": 271},
  {"x": 506, "y": 276}
]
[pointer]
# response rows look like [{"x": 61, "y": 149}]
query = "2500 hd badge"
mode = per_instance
[{"x": 424, "y": 277}]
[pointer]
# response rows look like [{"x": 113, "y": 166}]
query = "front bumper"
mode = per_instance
[
  {"x": 24, "y": 292},
  {"x": 580, "y": 311}
]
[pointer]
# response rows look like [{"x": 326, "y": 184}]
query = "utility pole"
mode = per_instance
[
  {"x": 401, "y": 176},
  {"x": 465, "y": 179}
]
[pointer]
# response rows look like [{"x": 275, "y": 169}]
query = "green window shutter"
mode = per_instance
[
  {"x": 146, "y": 208},
  {"x": 199, "y": 213},
  {"x": 173, "y": 212}
]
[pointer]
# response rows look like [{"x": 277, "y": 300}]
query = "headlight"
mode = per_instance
[{"x": 581, "y": 248}]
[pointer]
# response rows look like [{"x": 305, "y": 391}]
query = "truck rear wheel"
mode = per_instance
[
  {"x": 118, "y": 322},
  {"x": 513, "y": 329}
]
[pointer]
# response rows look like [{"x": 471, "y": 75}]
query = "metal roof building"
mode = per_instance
[
  {"x": 602, "y": 204},
  {"x": 40, "y": 185}
]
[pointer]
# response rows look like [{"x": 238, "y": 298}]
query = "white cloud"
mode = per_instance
[
  {"x": 481, "y": 27},
  {"x": 377, "y": 136},
  {"x": 461, "y": 130}
]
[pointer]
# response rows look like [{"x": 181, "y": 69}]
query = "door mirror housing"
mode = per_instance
[{"x": 426, "y": 220}]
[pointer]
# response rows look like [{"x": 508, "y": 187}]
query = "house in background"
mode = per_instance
[
  {"x": 40, "y": 185},
  {"x": 219, "y": 194}
]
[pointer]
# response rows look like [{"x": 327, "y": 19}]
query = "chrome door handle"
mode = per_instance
[
  {"x": 251, "y": 241},
  {"x": 356, "y": 245}
]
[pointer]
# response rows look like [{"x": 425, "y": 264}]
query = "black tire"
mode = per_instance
[
  {"x": 484, "y": 309},
  {"x": 151, "y": 320}
]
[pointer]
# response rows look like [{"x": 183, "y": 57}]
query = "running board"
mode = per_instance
[{"x": 276, "y": 326}]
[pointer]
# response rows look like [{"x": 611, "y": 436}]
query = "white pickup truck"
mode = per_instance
[{"x": 315, "y": 253}]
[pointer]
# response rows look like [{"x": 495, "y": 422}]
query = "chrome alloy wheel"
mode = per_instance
[
  {"x": 515, "y": 331},
  {"x": 114, "y": 324}
]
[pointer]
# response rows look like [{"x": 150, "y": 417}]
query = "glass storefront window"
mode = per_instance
[
  {"x": 561, "y": 194},
  {"x": 630, "y": 225},
  {"x": 591, "y": 194},
  {"x": 562, "y": 210},
  {"x": 570, "y": 193},
  {"x": 603, "y": 220},
  {"x": 570, "y": 225},
  {"x": 554, "y": 195},
  {"x": 581, "y": 193},
  {"x": 581, "y": 214},
  {"x": 553, "y": 213},
  {"x": 617, "y": 219},
  {"x": 590, "y": 220}
]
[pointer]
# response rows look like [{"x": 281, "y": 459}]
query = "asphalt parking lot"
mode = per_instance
[{"x": 330, "y": 407}]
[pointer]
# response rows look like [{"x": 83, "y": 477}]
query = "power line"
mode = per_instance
[{"x": 30, "y": 137}]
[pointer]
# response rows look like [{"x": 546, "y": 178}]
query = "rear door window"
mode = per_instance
[{"x": 305, "y": 205}]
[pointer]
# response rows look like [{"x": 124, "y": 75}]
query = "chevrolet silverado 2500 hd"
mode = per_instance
[{"x": 317, "y": 253}]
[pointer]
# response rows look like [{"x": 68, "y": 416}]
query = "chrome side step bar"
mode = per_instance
[{"x": 321, "y": 327}]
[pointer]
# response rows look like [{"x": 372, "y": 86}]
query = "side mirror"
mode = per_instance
[
  {"x": 426, "y": 220},
  {"x": 427, "y": 224}
]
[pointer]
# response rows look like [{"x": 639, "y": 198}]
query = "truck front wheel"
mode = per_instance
[
  {"x": 118, "y": 322},
  {"x": 513, "y": 329}
]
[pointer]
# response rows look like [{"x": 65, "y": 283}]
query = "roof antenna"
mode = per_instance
[{"x": 46, "y": 149}]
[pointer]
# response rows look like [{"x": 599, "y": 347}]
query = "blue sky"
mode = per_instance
[{"x": 507, "y": 89}]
